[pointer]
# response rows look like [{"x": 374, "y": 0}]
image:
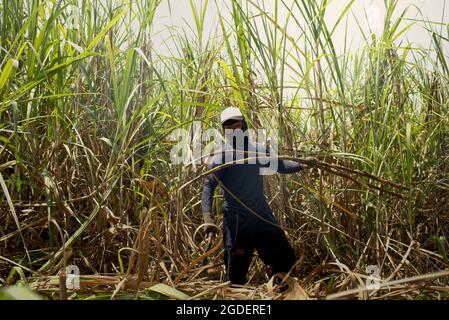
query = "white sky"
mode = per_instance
[
  {"x": 433, "y": 10},
  {"x": 369, "y": 13}
]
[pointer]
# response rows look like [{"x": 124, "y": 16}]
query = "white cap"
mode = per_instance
[{"x": 231, "y": 113}]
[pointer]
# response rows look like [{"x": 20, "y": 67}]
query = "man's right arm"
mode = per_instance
[{"x": 210, "y": 184}]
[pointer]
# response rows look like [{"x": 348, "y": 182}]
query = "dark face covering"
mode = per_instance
[{"x": 239, "y": 137}]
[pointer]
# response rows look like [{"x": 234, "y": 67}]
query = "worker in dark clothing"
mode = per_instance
[{"x": 248, "y": 222}]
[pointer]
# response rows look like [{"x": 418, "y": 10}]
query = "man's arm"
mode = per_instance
[
  {"x": 210, "y": 184},
  {"x": 283, "y": 166},
  {"x": 287, "y": 166}
]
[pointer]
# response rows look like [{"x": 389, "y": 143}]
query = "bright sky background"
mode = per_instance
[
  {"x": 369, "y": 13},
  {"x": 433, "y": 10}
]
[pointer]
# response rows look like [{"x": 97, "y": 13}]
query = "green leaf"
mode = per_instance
[
  {"x": 6, "y": 73},
  {"x": 107, "y": 141},
  {"x": 168, "y": 291},
  {"x": 19, "y": 293}
]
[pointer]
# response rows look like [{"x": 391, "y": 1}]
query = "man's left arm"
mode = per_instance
[{"x": 287, "y": 166}]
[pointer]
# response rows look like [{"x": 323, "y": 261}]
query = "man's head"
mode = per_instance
[
  {"x": 232, "y": 119},
  {"x": 235, "y": 128}
]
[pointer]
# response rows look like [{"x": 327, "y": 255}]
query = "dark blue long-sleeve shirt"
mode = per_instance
[{"x": 244, "y": 181}]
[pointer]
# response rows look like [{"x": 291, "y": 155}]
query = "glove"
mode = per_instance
[
  {"x": 209, "y": 220},
  {"x": 312, "y": 161}
]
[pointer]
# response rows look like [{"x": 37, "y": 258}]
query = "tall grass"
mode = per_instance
[{"x": 87, "y": 109}]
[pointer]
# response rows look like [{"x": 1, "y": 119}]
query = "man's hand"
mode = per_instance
[
  {"x": 209, "y": 221},
  {"x": 311, "y": 161}
]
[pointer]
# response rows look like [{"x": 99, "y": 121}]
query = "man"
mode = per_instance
[{"x": 248, "y": 222}]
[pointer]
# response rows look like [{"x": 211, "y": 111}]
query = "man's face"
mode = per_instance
[{"x": 233, "y": 125}]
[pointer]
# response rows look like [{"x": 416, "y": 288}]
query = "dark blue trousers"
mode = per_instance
[{"x": 243, "y": 232}]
